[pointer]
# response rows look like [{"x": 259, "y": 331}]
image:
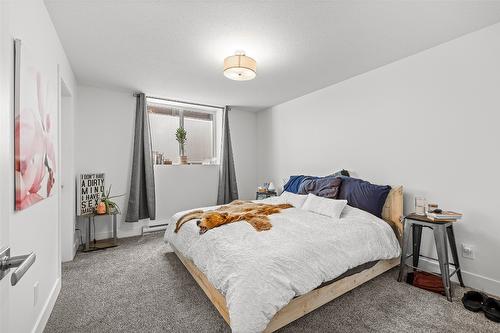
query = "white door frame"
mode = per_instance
[
  {"x": 58, "y": 172},
  {"x": 6, "y": 149},
  {"x": 66, "y": 174}
]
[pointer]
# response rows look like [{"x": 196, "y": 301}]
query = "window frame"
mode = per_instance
[{"x": 180, "y": 107}]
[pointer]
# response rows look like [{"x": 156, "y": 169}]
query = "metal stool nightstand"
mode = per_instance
[
  {"x": 102, "y": 244},
  {"x": 443, "y": 233},
  {"x": 264, "y": 195}
]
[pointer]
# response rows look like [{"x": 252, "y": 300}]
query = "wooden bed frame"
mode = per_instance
[{"x": 300, "y": 306}]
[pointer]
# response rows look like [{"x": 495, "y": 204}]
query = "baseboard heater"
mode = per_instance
[{"x": 154, "y": 228}]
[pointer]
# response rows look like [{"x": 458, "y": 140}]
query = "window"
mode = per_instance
[{"x": 200, "y": 124}]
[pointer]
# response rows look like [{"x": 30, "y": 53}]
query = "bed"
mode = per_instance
[{"x": 260, "y": 282}]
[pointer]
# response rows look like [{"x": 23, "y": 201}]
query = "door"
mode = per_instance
[
  {"x": 4, "y": 241},
  {"x": 4, "y": 238},
  {"x": 12, "y": 267}
]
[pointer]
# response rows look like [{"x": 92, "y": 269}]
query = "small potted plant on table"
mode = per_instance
[
  {"x": 106, "y": 205},
  {"x": 181, "y": 137}
]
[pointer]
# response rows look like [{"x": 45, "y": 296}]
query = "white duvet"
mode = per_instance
[{"x": 260, "y": 272}]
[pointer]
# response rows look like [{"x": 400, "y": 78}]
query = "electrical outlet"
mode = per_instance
[
  {"x": 35, "y": 293},
  {"x": 468, "y": 251}
]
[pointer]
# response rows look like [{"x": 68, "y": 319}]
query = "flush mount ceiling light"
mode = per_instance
[{"x": 239, "y": 67}]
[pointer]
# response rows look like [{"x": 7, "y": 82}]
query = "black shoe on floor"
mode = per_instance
[
  {"x": 474, "y": 301},
  {"x": 491, "y": 309}
]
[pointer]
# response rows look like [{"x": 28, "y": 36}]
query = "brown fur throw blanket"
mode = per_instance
[{"x": 250, "y": 212}]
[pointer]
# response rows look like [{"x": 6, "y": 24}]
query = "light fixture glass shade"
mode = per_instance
[{"x": 240, "y": 67}]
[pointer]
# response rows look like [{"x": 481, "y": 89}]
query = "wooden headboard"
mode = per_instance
[{"x": 392, "y": 212}]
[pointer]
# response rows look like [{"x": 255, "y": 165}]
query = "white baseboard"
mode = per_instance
[
  {"x": 136, "y": 231},
  {"x": 471, "y": 280},
  {"x": 47, "y": 308},
  {"x": 154, "y": 223},
  {"x": 154, "y": 228},
  {"x": 121, "y": 233}
]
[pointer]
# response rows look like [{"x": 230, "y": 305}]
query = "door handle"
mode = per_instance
[{"x": 23, "y": 263}]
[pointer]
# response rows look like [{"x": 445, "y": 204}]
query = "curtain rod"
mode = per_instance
[{"x": 183, "y": 102}]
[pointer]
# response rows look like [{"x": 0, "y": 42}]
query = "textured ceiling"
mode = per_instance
[{"x": 176, "y": 49}]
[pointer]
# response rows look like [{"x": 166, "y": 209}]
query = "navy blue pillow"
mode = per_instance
[
  {"x": 293, "y": 184},
  {"x": 364, "y": 195}
]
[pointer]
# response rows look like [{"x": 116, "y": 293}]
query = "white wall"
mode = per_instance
[
  {"x": 104, "y": 138},
  {"x": 243, "y": 126},
  {"x": 182, "y": 187},
  {"x": 429, "y": 122},
  {"x": 36, "y": 228}
]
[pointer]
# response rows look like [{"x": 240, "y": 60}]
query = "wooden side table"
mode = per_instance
[
  {"x": 264, "y": 195},
  {"x": 443, "y": 233},
  {"x": 101, "y": 244}
]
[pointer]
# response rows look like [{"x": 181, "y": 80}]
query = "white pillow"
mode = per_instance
[
  {"x": 296, "y": 200},
  {"x": 324, "y": 206},
  {"x": 272, "y": 200}
]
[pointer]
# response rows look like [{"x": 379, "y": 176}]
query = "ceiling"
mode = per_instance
[{"x": 176, "y": 49}]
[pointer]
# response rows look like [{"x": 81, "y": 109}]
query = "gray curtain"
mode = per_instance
[
  {"x": 141, "y": 202},
  {"x": 228, "y": 190}
]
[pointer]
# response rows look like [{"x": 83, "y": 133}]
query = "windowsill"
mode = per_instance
[{"x": 186, "y": 165}]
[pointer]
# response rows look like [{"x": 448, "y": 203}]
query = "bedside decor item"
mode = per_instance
[
  {"x": 439, "y": 215},
  {"x": 432, "y": 206},
  {"x": 35, "y": 128},
  {"x": 181, "y": 137},
  {"x": 266, "y": 190},
  {"x": 261, "y": 189},
  {"x": 240, "y": 67},
  {"x": 420, "y": 205},
  {"x": 90, "y": 189}
]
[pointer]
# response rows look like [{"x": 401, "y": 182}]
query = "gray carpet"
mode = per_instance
[{"x": 141, "y": 287}]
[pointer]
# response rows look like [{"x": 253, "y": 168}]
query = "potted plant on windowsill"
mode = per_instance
[{"x": 181, "y": 137}]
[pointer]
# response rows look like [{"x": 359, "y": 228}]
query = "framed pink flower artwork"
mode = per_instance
[{"x": 35, "y": 130}]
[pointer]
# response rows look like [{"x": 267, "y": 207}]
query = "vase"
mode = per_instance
[
  {"x": 101, "y": 208},
  {"x": 182, "y": 157}
]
